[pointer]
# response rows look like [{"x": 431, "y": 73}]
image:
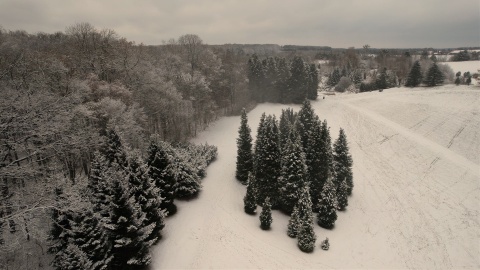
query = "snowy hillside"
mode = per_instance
[{"x": 415, "y": 203}]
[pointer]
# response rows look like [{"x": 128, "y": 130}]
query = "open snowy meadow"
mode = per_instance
[{"x": 415, "y": 203}]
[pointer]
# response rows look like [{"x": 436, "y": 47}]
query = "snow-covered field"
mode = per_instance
[{"x": 415, "y": 203}]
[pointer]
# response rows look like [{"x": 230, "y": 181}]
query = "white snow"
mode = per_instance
[
  {"x": 415, "y": 203},
  {"x": 472, "y": 66}
]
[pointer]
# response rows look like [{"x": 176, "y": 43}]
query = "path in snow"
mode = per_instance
[{"x": 415, "y": 202}]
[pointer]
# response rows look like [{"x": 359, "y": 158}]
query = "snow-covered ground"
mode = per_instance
[
  {"x": 472, "y": 66},
  {"x": 415, "y": 203}
]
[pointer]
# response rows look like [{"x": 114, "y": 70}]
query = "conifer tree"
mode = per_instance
[
  {"x": 434, "y": 76},
  {"x": 343, "y": 161},
  {"x": 244, "y": 150},
  {"x": 293, "y": 223},
  {"x": 287, "y": 120},
  {"x": 266, "y": 215},
  {"x": 283, "y": 75},
  {"x": 314, "y": 159},
  {"x": 334, "y": 78},
  {"x": 298, "y": 81},
  {"x": 312, "y": 92},
  {"x": 59, "y": 233},
  {"x": 148, "y": 197},
  {"x": 124, "y": 226},
  {"x": 267, "y": 161},
  {"x": 306, "y": 235},
  {"x": 72, "y": 258},
  {"x": 304, "y": 125},
  {"x": 415, "y": 76},
  {"x": 327, "y": 213},
  {"x": 382, "y": 80},
  {"x": 113, "y": 149},
  {"x": 160, "y": 156},
  {"x": 88, "y": 234},
  {"x": 294, "y": 171},
  {"x": 342, "y": 195},
  {"x": 98, "y": 186},
  {"x": 187, "y": 184},
  {"x": 249, "y": 201}
]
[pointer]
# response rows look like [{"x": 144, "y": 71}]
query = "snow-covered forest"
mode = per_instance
[{"x": 117, "y": 155}]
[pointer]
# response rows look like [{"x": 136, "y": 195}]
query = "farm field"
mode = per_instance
[{"x": 415, "y": 202}]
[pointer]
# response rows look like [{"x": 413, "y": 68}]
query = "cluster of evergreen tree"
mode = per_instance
[
  {"x": 433, "y": 77},
  {"x": 123, "y": 205},
  {"x": 295, "y": 169},
  {"x": 383, "y": 80},
  {"x": 274, "y": 79}
]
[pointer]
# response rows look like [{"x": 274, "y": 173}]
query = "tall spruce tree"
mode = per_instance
[
  {"x": 306, "y": 235},
  {"x": 147, "y": 195},
  {"x": 249, "y": 201},
  {"x": 160, "y": 156},
  {"x": 293, "y": 172},
  {"x": 244, "y": 150},
  {"x": 267, "y": 161},
  {"x": 98, "y": 186},
  {"x": 342, "y": 161},
  {"x": 334, "y": 78},
  {"x": 286, "y": 123},
  {"x": 415, "y": 75},
  {"x": 283, "y": 75},
  {"x": 298, "y": 81},
  {"x": 315, "y": 162},
  {"x": 434, "y": 76},
  {"x": 256, "y": 78},
  {"x": 90, "y": 236},
  {"x": 113, "y": 149},
  {"x": 124, "y": 225},
  {"x": 293, "y": 223},
  {"x": 187, "y": 182},
  {"x": 342, "y": 195},
  {"x": 266, "y": 215},
  {"x": 327, "y": 206},
  {"x": 312, "y": 92}
]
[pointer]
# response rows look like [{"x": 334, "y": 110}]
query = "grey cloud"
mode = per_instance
[{"x": 380, "y": 23}]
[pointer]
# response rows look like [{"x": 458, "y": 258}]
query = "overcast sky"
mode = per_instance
[{"x": 335, "y": 23}]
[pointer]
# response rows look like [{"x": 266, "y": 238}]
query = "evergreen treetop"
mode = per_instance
[{"x": 244, "y": 150}]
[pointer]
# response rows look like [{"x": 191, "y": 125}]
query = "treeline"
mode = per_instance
[
  {"x": 274, "y": 79},
  {"x": 293, "y": 167},
  {"x": 61, "y": 94}
]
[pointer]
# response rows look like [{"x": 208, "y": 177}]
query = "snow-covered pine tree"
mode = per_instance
[
  {"x": 312, "y": 92},
  {"x": 72, "y": 258},
  {"x": 304, "y": 123},
  {"x": 327, "y": 206},
  {"x": 293, "y": 172},
  {"x": 334, "y": 78},
  {"x": 314, "y": 154},
  {"x": 342, "y": 161},
  {"x": 124, "y": 225},
  {"x": 59, "y": 234},
  {"x": 415, "y": 75},
  {"x": 148, "y": 197},
  {"x": 89, "y": 235},
  {"x": 297, "y": 83},
  {"x": 244, "y": 150},
  {"x": 267, "y": 161},
  {"x": 283, "y": 75},
  {"x": 113, "y": 150},
  {"x": 287, "y": 120},
  {"x": 293, "y": 223},
  {"x": 342, "y": 195},
  {"x": 256, "y": 78},
  {"x": 98, "y": 185},
  {"x": 187, "y": 184},
  {"x": 271, "y": 92},
  {"x": 434, "y": 76},
  {"x": 306, "y": 235},
  {"x": 160, "y": 156},
  {"x": 266, "y": 215},
  {"x": 249, "y": 201}
]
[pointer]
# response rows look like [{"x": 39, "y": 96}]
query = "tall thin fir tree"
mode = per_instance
[
  {"x": 293, "y": 223},
  {"x": 130, "y": 251},
  {"x": 113, "y": 149},
  {"x": 160, "y": 155},
  {"x": 249, "y": 201},
  {"x": 327, "y": 206},
  {"x": 306, "y": 235},
  {"x": 343, "y": 161},
  {"x": 293, "y": 172},
  {"x": 315, "y": 157},
  {"x": 148, "y": 197},
  {"x": 266, "y": 215},
  {"x": 286, "y": 123},
  {"x": 244, "y": 150},
  {"x": 267, "y": 165},
  {"x": 342, "y": 195},
  {"x": 434, "y": 76},
  {"x": 415, "y": 75}
]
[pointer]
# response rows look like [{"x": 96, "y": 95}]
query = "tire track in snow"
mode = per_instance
[{"x": 442, "y": 151}]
